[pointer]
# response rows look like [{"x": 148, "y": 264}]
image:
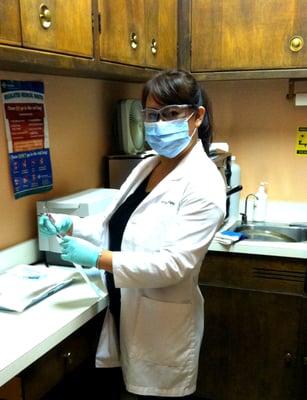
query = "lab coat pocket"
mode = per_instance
[{"x": 163, "y": 333}]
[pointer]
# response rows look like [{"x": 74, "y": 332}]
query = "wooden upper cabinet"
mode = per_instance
[
  {"x": 161, "y": 33},
  {"x": 248, "y": 35},
  {"x": 58, "y": 26},
  {"x": 139, "y": 32},
  {"x": 10, "y": 22},
  {"x": 122, "y": 37}
]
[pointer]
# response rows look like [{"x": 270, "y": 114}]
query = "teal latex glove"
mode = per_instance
[
  {"x": 61, "y": 225},
  {"x": 79, "y": 251}
]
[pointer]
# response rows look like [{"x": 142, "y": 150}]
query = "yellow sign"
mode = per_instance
[{"x": 301, "y": 141}]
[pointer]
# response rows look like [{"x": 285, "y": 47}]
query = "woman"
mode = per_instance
[{"x": 153, "y": 241}]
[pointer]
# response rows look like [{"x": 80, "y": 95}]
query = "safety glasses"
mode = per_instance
[{"x": 167, "y": 113}]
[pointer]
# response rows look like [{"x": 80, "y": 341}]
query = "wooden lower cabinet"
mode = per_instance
[
  {"x": 11, "y": 390},
  {"x": 62, "y": 373},
  {"x": 255, "y": 339}
]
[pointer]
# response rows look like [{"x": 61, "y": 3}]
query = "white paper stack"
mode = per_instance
[{"x": 25, "y": 285}]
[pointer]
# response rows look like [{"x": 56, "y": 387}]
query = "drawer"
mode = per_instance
[
  {"x": 66, "y": 357},
  {"x": 286, "y": 275},
  {"x": 71, "y": 354},
  {"x": 12, "y": 390}
]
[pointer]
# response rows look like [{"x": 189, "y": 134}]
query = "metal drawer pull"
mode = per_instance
[
  {"x": 133, "y": 40},
  {"x": 44, "y": 16},
  {"x": 288, "y": 358},
  {"x": 68, "y": 358},
  {"x": 296, "y": 43},
  {"x": 154, "y": 46}
]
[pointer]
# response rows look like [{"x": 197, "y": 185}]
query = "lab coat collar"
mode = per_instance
[
  {"x": 189, "y": 162},
  {"x": 188, "y": 165}
]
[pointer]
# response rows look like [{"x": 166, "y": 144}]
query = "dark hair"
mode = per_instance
[{"x": 180, "y": 87}]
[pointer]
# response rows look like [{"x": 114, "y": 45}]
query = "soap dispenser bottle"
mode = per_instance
[{"x": 261, "y": 203}]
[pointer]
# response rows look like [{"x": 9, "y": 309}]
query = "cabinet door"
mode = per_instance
[
  {"x": 58, "y": 26},
  {"x": 67, "y": 357},
  {"x": 11, "y": 390},
  {"x": 251, "y": 346},
  {"x": 10, "y": 22},
  {"x": 161, "y": 33},
  {"x": 122, "y": 37},
  {"x": 249, "y": 34}
]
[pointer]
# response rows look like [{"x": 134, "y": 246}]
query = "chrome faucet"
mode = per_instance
[{"x": 244, "y": 215}]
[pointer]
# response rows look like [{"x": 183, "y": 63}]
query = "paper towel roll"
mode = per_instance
[
  {"x": 221, "y": 146},
  {"x": 301, "y": 99}
]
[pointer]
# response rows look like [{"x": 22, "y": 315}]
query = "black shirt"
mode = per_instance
[{"x": 117, "y": 225}]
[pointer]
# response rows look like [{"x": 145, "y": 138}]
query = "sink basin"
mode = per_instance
[{"x": 273, "y": 232}]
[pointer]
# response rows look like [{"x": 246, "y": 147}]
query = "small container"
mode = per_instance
[
  {"x": 261, "y": 203},
  {"x": 235, "y": 180}
]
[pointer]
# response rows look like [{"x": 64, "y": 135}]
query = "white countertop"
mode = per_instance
[
  {"x": 26, "y": 336},
  {"x": 279, "y": 249}
]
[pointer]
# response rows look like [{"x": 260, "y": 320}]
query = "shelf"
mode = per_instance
[{"x": 33, "y": 61}]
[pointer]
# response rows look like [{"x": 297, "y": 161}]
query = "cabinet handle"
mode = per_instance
[
  {"x": 305, "y": 360},
  {"x": 296, "y": 43},
  {"x": 154, "y": 47},
  {"x": 288, "y": 358},
  {"x": 44, "y": 16},
  {"x": 134, "y": 40},
  {"x": 68, "y": 358}
]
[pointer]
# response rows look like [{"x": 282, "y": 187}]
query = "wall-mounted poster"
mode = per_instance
[
  {"x": 27, "y": 136},
  {"x": 301, "y": 141}
]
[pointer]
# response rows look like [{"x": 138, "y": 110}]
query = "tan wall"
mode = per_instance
[
  {"x": 80, "y": 113},
  {"x": 260, "y": 124},
  {"x": 254, "y": 117}
]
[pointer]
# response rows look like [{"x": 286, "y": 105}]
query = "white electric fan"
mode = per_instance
[{"x": 131, "y": 127}]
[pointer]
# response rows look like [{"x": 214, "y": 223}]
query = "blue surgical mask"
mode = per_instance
[{"x": 168, "y": 138}]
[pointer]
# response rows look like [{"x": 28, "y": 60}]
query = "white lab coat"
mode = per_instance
[{"x": 163, "y": 246}]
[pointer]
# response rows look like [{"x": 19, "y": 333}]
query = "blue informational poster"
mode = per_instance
[{"x": 27, "y": 136}]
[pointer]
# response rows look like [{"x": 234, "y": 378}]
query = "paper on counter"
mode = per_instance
[{"x": 24, "y": 285}]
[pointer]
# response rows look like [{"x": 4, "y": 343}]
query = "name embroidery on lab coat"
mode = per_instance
[{"x": 170, "y": 202}]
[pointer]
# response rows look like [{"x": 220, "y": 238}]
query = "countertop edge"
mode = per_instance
[
  {"x": 277, "y": 249},
  {"x": 50, "y": 341}
]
